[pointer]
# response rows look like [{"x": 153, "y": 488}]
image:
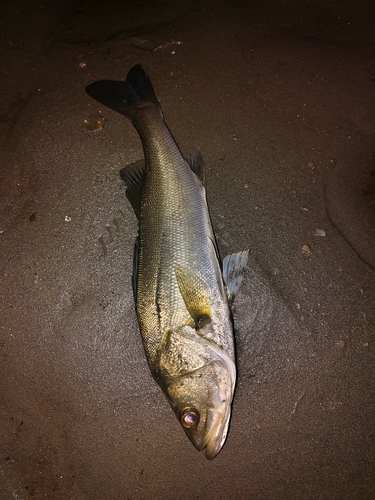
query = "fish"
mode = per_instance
[{"x": 183, "y": 293}]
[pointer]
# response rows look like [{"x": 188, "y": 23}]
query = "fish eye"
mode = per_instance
[{"x": 189, "y": 417}]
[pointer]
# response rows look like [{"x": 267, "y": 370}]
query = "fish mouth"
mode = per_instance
[{"x": 215, "y": 433}]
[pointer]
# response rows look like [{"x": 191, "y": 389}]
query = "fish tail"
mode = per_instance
[{"x": 125, "y": 97}]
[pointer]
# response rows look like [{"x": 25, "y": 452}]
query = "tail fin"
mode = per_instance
[{"x": 123, "y": 97}]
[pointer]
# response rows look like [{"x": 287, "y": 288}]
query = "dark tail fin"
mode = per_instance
[{"x": 124, "y": 97}]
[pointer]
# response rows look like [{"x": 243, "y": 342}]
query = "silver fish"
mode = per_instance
[{"x": 182, "y": 294}]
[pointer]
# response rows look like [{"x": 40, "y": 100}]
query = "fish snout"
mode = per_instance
[
  {"x": 212, "y": 436},
  {"x": 216, "y": 431}
]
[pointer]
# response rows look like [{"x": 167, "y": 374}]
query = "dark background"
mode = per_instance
[{"x": 279, "y": 97}]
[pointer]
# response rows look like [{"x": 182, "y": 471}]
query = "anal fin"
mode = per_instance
[{"x": 133, "y": 175}]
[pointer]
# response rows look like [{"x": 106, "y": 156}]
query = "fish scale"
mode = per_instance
[
  {"x": 183, "y": 304},
  {"x": 177, "y": 234}
]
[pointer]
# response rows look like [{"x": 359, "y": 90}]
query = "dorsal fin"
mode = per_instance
[
  {"x": 132, "y": 175},
  {"x": 196, "y": 163},
  {"x": 233, "y": 268}
]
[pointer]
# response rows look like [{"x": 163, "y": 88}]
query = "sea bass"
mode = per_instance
[{"x": 183, "y": 295}]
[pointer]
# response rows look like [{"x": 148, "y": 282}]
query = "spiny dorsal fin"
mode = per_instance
[
  {"x": 233, "y": 268},
  {"x": 132, "y": 175},
  {"x": 196, "y": 163},
  {"x": 195, "y": 294}
]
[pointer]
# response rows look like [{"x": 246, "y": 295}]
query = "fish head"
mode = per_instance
[
  {"x": 202, "y": 403},
  {"x": 199, "y": 381}
]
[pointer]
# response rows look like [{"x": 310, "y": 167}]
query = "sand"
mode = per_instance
[{"x": 279, "y": 98}]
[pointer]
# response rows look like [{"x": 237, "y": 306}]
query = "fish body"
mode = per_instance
[{"x": 182, "y": 293}]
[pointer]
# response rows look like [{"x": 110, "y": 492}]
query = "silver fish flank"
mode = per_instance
[{"x": 183, "y": 295}]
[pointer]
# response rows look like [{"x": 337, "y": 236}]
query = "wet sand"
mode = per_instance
[{"x": 278, "y": 96}]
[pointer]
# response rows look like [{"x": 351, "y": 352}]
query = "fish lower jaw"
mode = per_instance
[{"x": 214, "y": 439}]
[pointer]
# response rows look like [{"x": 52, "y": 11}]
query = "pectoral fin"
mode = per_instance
[
  {"x": 195, "y": 294},
  {"x": 233, "y": 268}
]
